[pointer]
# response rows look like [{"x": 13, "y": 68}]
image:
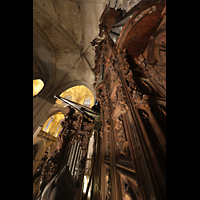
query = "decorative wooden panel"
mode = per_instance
[{"x": 133, "y": 106}]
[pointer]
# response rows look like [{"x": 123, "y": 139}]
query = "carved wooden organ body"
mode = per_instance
[
  {"x": 131, "y": 89},
  {"x": 71, "y": 150}
]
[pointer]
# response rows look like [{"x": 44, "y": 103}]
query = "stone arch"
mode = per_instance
[
  {"x": 52, "y": 125},
  {"x": 39, "y": 72},
  {"x": 47, "y": 67},
  {"x": 53, "y": 112},
  {"x": 68, "y": 85}
]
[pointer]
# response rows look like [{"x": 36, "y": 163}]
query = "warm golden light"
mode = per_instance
[
  {"x": 52, "y": 124},
  {"x": 38, "y": 84},
  {"x": 79, "y": 94},
  {"x": 85, "y": 183},
  {"x": 127, "y": 197}
]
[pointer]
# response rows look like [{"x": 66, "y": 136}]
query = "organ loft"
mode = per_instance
[{"x": 99, "y": 100}]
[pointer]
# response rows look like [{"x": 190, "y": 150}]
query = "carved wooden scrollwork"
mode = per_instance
[
  {"x": 108, "y": 184},
  {"x": 132, "y": 90},
  {"x": 76, "y": 127},
  {"x": 106, "y": 131},
  {"x": 120, "y": 134},
  {"x": 140, "y": 100}
]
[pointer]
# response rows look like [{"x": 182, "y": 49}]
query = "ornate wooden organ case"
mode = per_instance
[{"x": 131, "y": 88}]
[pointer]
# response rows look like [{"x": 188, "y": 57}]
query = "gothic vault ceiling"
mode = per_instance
[{"x": 62, "y": 31}]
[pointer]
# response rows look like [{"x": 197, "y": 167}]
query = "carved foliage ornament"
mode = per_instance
[
  {"x": 120, "y": 134},
  {"x": 140, "y": 100}
]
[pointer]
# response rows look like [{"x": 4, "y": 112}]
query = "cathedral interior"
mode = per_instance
[{"x": 99, "y": 99}]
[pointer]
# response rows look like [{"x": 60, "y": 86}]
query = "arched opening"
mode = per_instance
[
  {"x": 53, "y": 124},
  {"x": 79, "y": 94},
  {"x": 38, "y": 85}
]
